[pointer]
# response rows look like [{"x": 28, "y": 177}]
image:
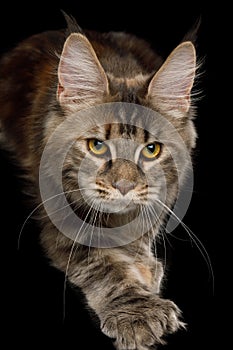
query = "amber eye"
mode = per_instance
[
  {"x": 151, "y": 151},
  {"x": 97, "y": 147}
]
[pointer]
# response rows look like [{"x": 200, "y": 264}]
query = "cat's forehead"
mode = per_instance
[
  {"x": 125, "y": 131},
  {"x": 125, "y": 121},
  {"x": 118, "y": 130},
  {"x": 138, "y": 132}
]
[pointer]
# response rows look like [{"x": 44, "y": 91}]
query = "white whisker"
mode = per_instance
[
  {"x": 70, "y": 257},
  {"x": 141, "y": 238},
  {"x": 151, "y": 209},
  {"x": 193, "y": 238},
  {"x": 92, "y": 222},
  {"x": 38, "y": 207}
]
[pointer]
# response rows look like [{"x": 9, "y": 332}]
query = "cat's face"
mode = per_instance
[
  {"x": 120, "y": 167},
  {"x": 123, "y": 163}
]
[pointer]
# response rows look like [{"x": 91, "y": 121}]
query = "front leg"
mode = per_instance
[
  {"x": 139, "y": 321},
  {"x": 123, "y": 291}
]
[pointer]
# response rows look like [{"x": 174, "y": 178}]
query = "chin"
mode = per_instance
[{"x": 120, "y": 208}]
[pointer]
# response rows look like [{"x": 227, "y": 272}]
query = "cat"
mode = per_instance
[{"x": 103, "y": 129}]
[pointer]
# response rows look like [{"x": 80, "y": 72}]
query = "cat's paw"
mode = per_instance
[{"x": 142, "y": 323}]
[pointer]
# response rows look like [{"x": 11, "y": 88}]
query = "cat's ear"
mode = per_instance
[
  {"x": 170, "y": 88},
  {"x": 81, "y": 78}
]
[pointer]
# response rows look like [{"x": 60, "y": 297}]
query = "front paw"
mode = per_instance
[{"x": 140, "y": 323}]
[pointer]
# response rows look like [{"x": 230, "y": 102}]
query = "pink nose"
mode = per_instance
[{"x": 124, "y": 186}]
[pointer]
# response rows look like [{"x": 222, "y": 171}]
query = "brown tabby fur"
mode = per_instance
[{"x": 121, "y": 284}]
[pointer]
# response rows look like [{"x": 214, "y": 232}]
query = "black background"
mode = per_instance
[{"x": 33, "y": 292}]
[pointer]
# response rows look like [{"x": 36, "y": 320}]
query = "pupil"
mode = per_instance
[
  {"x": 98, "y": 144},
  {"x": 151, "y": 148}
]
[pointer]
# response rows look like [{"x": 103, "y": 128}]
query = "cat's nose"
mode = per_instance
[{"x": 124, "y": 186}]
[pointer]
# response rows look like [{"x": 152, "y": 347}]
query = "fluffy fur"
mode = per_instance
[{"x": 52, "y": 75}]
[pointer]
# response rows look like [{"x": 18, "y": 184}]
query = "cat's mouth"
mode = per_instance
[
  {"x": 119, "y": 205},
  {"x": 111, "y": 202},
  {"x": 122, "y": 196}
]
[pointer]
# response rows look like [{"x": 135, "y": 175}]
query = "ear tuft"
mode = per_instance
[{"x": 170, "y": 88}]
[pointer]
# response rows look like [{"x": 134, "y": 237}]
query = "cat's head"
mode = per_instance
[{"x": 126, "y": 157}]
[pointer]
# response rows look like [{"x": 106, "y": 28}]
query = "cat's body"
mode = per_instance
[{"x": 55, "y": 75}]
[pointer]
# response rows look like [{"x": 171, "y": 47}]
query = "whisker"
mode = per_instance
[
  {"x": 69, "y": 260},
  {"x": 149, "y": 224},
  {"x": 93, "y": 221},
  {"x": 38, "y": 207},
  {"x": 150, "y": 209},
  {"x": 193, "y": 238},
  {"x": 101, "y": 232},
  {"x": 101, "y": 214},
  {"x": 141, "y": 238}
]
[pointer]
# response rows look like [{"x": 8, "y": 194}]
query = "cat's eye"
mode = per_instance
[
  {"x": 151, "y": 151},
  {"x": 97, "y": 147}
]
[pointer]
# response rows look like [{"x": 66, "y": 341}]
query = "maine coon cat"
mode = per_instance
[{"x": 119, "y": 107}]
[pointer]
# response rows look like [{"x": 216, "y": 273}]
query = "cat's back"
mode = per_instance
[{"x": 25, "y": 70}]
